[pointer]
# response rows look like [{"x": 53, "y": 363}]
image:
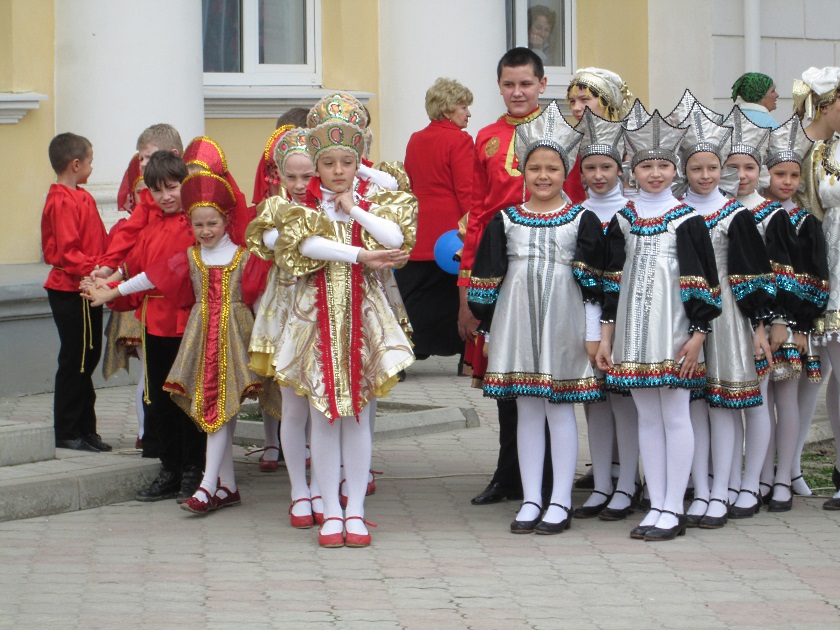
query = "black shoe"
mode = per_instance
[
  {"x": 765, "y": 498},
  {"x": 493, "y": 493},
  {"x": 593, "y": 510},
  {"x": 835, "y": 478},
  {"x": 164, "y": 487},
  {"x": 401, "y": 376},
  {"x": 715, "y": 522},
  {"x": 547, "y": 529},
  {"x": 587, "y": 482},
  {"x": 657, "y": 534},
  {"x": 638, "y": 532},
  {"x": 190, "y": 480},
  {"x": 781, "y": 506},
  {"x": 526, "y": 527},
  {"x": 746, "y": 512},
  {"x": 95, "y": 440},
  {"x": 79, "y": 444},
  {"x": 613, "y": 514},
  {"x": 832, "y": 504},
  {"x": 693, "y": 520}
]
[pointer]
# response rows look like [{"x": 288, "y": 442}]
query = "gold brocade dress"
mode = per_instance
[
  {"x": 340, "y": 344},
  {"x": 210, "y": 376},
  {"x": 122, "y": 340}
]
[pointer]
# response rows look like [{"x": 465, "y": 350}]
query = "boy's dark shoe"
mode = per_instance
[
  {"x": 79, "y": 444},
  {"x": 494, "y": 493},
  {"x": 190, "y": 480},
  {"x": 164, "y": 487},
  {"x": 95, "y": 440}
]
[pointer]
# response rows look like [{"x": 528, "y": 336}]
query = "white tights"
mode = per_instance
[
  {"x": 345, "y": 439},
  {"x": 271, "y": 427},
  {"x": 666, "y": 443},
  {"x": 218, "y": 467},
  {"x": 757, "y": 434},
  {"x": 627, "y": 434},
  {"x": 293, "y": 439},
  {"x": 530, "y": 436},
  {"x": 714, "y": 433},
  {"x": 783, "y": 406}
]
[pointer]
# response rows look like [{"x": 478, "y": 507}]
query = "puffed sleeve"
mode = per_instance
[
  {"x": 489, "y": 270},
  {"x": 294, "y": 224},
  {"x": 397, "y": 171},
  {"x": 263, "y": 222},
  {"x": 614, "y": 258},
  {"x": 589, "y": 258},
  {"x": 813, "y": 277},
  {"x": 750, "y": 274},
  {"x": 783, "y": 251},
  {"x": 398, "y": 207},
  {"x": 699, "y": 284}
]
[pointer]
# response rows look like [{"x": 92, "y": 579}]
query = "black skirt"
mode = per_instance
[{"x": 431, "y": 300}]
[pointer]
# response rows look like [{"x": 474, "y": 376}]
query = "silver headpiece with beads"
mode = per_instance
[
  {"x": 636, "y": 117},
  {"x": 788, "y": 143},
  {"x": 747, "y": 137},
  {"x": 704, "y": 135},
  {"x": 600, "y": 136},
  {"x": 655, "y": 140},
  {"x": 687, "y": 103},
  {"x": 551, "y": 130}
]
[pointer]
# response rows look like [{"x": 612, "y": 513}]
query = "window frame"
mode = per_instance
[
  {"x": 517, "y": 12},
  {"x": 257, "y": 74}
]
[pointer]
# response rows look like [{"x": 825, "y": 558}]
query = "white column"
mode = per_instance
[
  {"x": 120, "y": 67},
  {"x": 752, "y": 35}
]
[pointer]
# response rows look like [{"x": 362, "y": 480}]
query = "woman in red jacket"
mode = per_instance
[{"x": 439, "y": 161}]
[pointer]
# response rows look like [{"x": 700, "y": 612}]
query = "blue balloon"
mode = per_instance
[{"x": 445, "y": 249}]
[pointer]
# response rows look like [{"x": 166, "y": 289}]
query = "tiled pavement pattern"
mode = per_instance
[{"x": 436, "y": 561}]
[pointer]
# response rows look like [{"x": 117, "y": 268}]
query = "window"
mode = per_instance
[
  {"x": 261, "y": 42},
  {"x": 546, "y": 27}
]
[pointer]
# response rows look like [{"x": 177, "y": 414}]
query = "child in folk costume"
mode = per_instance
[
  {"x": 341, "y": 346},
  {"x": 817, "y": 103},
  {"x": 599, "y": 162},
  {"x": 537, "y": 265},
  {"x": 748, "y": 144},
  {"x": 747, "y": 291},
  {"x": 660, "y": 293},
  {"x": 295, "y": 166},
  {"x": 787, "y": 148}
]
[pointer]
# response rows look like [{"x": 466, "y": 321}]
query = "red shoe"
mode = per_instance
[
  {"x": 138, "y": 444},
  {"x": 318, "y": 516},
  {"x": 267, "y": 465},
  {"x": 331, "y": 541},
  {"x": 232, "y": 499},
  {"x": 371, "y": 487},
  {"x": 197, "y": 506},
  {"x": 357, "y": 540},
  {"x": 301, "y": 522},
  {"x": 342, "y": 498}
]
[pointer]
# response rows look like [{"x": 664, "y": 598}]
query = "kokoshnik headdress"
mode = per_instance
[
  {"x": 600, "y": 136},
  {"x": 607, "y": 84},
  {"x": 339, "y": 105},
  {"x": 131, "y": 178},
  {"x": 291, "y": 142},
  {"x": 339, "y": 120},
  {"x": 747, "y": 137},
  {"x": 788, "y": 143},
  {"x": 654, "y": 140},
  {"x": 205, "y": 153},
  {"x": 551, "y": 130},
  {"x": 688, "y": 102},
  {"x": 207, "y": 189},
  {"x": 636, "y": 117},
  {"x": 704, "y": 135}
]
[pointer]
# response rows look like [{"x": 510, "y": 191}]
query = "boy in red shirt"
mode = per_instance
[{"x": 72, "y": 238}]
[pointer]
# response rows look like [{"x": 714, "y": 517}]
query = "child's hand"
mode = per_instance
[
  {"x": 761, "y": 346},
  {"x": 101, "y": 272},
  {"x": 344, "y": 201},
  {"x": 689, "y": 354},
  {"x": 801, "y": 341},
  {"x": 99, "y": 296},
  {"x": 603, "y": 356},
  {"x": 592, "y": 351},
  {"x": 778, "y": 335},
  {"x": 382, "y": 259}
]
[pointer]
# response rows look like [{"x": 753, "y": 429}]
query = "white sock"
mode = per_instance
[
  {"x": 214, "y": 454},
  {"x": 599, "y": 420},
  {"x": 787, "y": 433},
  {"x": 736, "y": 468},
  {"x": 226, "y": 476},
  {"x": 564, "y": 446},
  {"x": 679, "y": 446},
  {"x": 530, "y": 446},
  {"x": 722, "y": 422},
  {"x": 356, "y": 453},
  {"x": 651, "y": 444},
  {"x": 808, "y": 393},
  {"x": 699, "y": 412},
  {"x": 757, "y": 434},
  {"x": 627, "y": 438},
  {"x": 293, "y": 439},
  {"x": 326, "y": 461}
]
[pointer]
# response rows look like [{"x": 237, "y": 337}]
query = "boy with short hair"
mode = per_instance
[
  {"x": 167, "y": 234},
  {"x": 497, "y": 184},
  {"x": 72, "y": 238}
]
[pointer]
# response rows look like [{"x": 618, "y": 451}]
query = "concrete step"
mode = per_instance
[{"x": 25, "y": 442}]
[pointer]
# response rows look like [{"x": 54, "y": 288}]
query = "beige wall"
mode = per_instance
[
  {"x": 350, "y": 59},
  {"x": 614, "y": 35},
  {"x": 26, "y": 50}
]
